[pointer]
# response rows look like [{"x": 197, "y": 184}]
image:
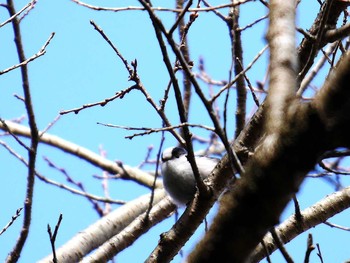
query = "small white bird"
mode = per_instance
[{"x": 178, "y": 177}]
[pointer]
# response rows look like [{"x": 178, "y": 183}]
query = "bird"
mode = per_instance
[{"x": 178, "y": 178}]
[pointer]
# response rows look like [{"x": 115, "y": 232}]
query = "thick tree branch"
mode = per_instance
[
  {"x": 104, "y": 229},
  {"x": 133, "y": 231},
  {"x": 311, "y": 217}
]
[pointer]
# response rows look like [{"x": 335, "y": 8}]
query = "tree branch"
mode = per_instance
[
  {"x": 312, "y": 216},
  {"x": 34, "y": 139},
  {"x": 133, "y": 231},
  {"x": 104, "y": 229},
  {"x": 123, "y": 171}
]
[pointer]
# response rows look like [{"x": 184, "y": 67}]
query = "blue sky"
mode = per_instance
[{"x": 78, "y": 68}]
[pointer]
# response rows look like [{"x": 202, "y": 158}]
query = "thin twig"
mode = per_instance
[
  {"x": 180, "y": 17},
  {"x": 147, "y": 157},
  {"x": 215, "y": 10},
  {"x": 298, "y": 215},
  {"x": 335, "y": 153},
  {"x": 252, "y": 91},
  {"x": 59, "y": 185},
  {"x": 319, "y": 253},
  {"x": 13, "y": 219},
  {"x": 132, "y": 69},
  {"x": 155, "y": 176},
  {"x": 280, "y": 246},
  {"x": 266, "y": 4},
  {"x": 105, "y": 176},
  {"x": 78, "y": 184},
  {"x": 165, "y": 9},
  {"x": 118, "y": 95},
  {"x": 126, "y": 64},
  {"x": 28, "y": 10},
  {"x": 326, "y": 8},
  {"x": 228, "y": 85},
  {"x": 306, "y": 34},
  {"x": 337, "y": 226},
  {"x": 155, "y": 130},
  {"x": 307, "y": 80},
  {"x": 7, "y": 129},
  {"x": 17, "y": 14},
  {"x": 253, "y": 24},
  {"x": 331, "y": 170},
  {"x": 49, "y": 126},
  {"x": 205, "y": 78},
  {"x": 41, "y": 52},
  {"x": 267, "y": 253},
  {"x": 310, "y": 247}
]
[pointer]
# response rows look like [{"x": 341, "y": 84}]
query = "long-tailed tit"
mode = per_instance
[{"x": 178, "y": 177}]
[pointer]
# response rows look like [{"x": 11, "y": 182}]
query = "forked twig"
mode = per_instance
[
  {"x": 18, "y": 13},
  {"x": 53, "y": 237}
]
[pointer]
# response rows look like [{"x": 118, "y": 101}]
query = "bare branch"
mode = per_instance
[
  {"x": 62, "y": 186},
  {"x": 254, "y": 23},
  {"x": 140, "y": 8},
  {"x": 309, "y": 249},
  {"x": 13, "y": 219},
  {"x": 34, "y": 138},
  {"x": 337, "y": 226},
  {"x": 154, "y": 130},
  {"x": 30, "y": 4},
  {"x": 128, "y": 236},
  {"x": 41, "y": 52},
  {"x": 312, "y": 216},
  {"x": 280, "y": 246},
  {"x": 307, "y": 80},
  {"x": 325, "y": 20},
  {"x": 118, "y": 95},
  {"x": 125, "y": 62},
  {"x": 6, "y": 128},
  {"x": 53, "y": 237},
  {"x": 237, "y": 60},
  {"x": 110, "y": 225},
  {"x": 229, "y": 85},
  {"x": 139, "y": 86},
  {"x": 124, "y": 171}
]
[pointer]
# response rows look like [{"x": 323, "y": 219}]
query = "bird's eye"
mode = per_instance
[{"x": 177, "y": 152}]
